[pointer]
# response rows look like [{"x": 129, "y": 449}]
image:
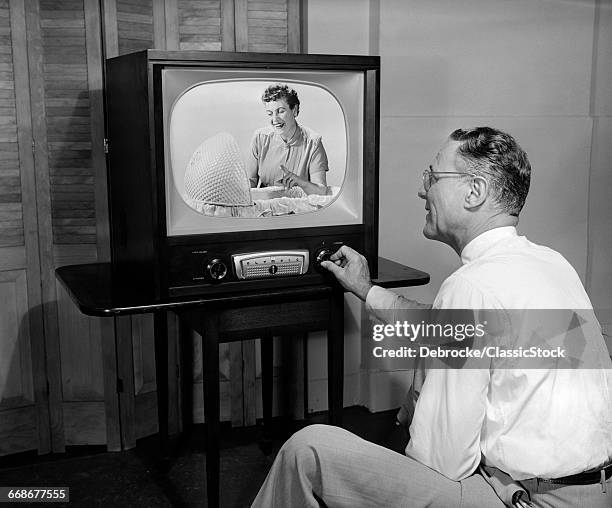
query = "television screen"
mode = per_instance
[{"x": 231, "y": 158}]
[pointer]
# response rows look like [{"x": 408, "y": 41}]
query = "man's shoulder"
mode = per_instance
[
  {"x": 517, "y": 255},
  {"x": 529, "y": 276}
]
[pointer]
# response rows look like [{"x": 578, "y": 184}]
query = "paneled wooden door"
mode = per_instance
[
  {"x": 24, "y": 412},
  {"x": 65, "y": 69}
]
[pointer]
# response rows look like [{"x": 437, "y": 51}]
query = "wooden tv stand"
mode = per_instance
[{"x": 228, "y": 318}]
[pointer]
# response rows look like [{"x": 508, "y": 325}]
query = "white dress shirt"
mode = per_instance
[{"x": 545, "y": 423}]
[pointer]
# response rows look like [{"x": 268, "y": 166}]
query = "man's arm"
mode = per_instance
[{"x": 351, "y": 270}]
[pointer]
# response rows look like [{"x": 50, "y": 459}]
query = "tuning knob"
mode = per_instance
[
  {"x": 321, "y": 255},
  {"x": 216, "y": 269}
]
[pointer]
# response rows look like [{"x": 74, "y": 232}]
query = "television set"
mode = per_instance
[{"x": 188, "y": 210}]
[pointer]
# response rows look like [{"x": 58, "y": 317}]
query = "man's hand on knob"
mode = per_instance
[{"x": 351, "y": 270}]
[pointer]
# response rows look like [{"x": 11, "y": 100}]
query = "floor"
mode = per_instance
[{"x": 135, "y": 479}]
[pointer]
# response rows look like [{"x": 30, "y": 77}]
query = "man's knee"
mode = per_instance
[
  {"x": 305, "y": 451},
  {"x": 306, "y": 442}
]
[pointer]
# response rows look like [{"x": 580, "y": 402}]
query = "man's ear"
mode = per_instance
[{"x": 478, "y": 192}]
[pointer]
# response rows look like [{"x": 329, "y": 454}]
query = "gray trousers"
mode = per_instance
[{"x": 328, "y": 466}]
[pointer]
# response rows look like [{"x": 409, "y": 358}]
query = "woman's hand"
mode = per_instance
[{"x": 290, "y": 179}]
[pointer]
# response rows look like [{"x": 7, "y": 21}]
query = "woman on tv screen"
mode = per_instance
[{"x": 286, "y": 153}]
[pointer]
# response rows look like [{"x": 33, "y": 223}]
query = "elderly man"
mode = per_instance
[{"x": 478, "y": 437}]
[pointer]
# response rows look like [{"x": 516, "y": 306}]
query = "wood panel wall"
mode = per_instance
[
  {"x": 65, "y": 59},
  {"x": 24, "y": 408},
  {"x": 267, "y": 26},
  {"x": 59, "y": 368},
  {"x": 200, "y": 24},
  {"x": 11, "y": 213},
  {"x": 134, "y": 25}
]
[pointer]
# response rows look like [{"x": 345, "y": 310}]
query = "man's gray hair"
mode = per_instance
[{"x": 497, "y": 157}]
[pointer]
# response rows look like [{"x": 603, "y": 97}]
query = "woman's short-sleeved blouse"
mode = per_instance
[{"x": 303, "y": 155}]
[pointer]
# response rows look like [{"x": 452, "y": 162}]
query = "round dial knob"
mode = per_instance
[
  {"x": 322, "y": 255},
  {"x": 216, "y": 269}
]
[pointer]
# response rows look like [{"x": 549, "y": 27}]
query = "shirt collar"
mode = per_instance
[
  {"x": 295, "y": 138},
  {"x": 479, "y": 245}
]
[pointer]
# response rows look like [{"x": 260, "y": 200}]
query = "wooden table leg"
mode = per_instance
[
  {"x": 186, "y": 347},
  {"x": 305, "y": 374},
  {"x": 335, "y": 358},
  {"x": 210, "y": 353},
  {"x": 294, "y": 386},
  {"x": 267, "y": 372},
  {"x": 125, "y": 374},
  {"x": 160, "y": 331}
]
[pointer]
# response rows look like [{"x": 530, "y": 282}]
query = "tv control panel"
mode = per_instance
[{"x": 224, "y": 267}]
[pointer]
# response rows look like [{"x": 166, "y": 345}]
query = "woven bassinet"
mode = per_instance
[{"x": 216, "y": 174}]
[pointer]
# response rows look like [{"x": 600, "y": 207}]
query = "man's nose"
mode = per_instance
[{"x": 422, "y": 193}]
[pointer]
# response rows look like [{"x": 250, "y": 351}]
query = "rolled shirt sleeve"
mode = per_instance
[{"x": 386, "y": 306}]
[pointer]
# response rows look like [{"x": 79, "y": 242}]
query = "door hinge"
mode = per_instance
[
  {"x": 33, "y": 146},
  {"x": 106, "y": 146}
]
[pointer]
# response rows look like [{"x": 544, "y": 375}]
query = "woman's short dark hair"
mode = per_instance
[
  {"x": 496, "y": 156},
  {"x": 279, "y": 91}
]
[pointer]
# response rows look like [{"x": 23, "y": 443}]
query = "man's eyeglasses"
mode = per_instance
[{"x": 428, "y": 174}]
